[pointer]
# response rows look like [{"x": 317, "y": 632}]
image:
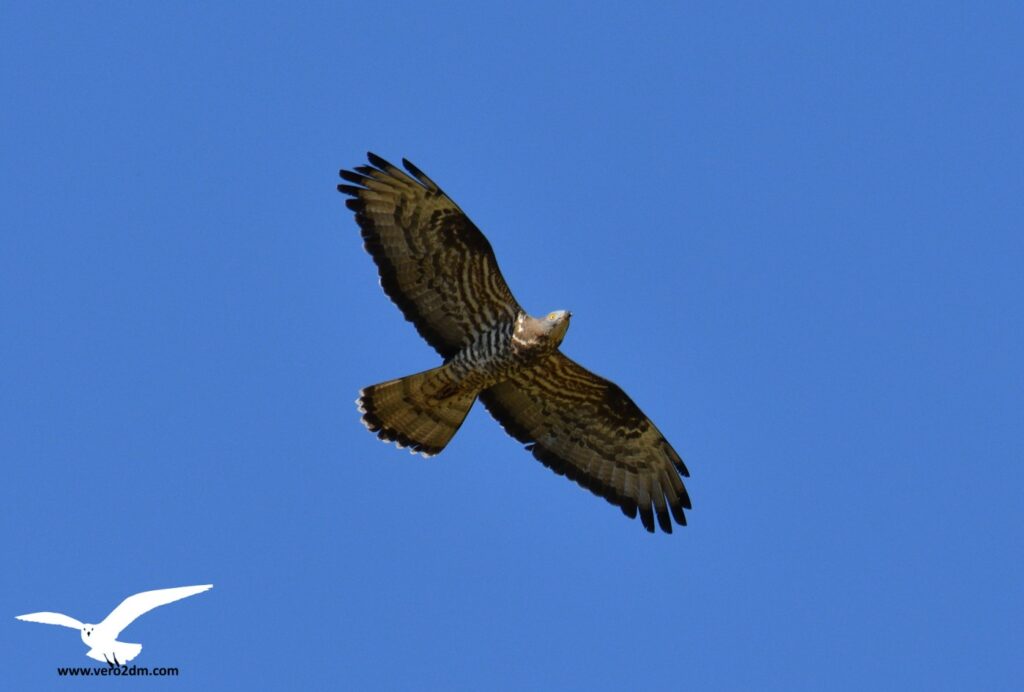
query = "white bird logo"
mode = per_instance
[{"x": 102, "y": 638}]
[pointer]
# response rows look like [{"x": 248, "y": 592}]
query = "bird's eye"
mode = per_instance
[{"x": 552, "y": 316}]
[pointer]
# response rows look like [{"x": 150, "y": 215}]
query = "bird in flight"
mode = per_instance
[
  {"x": 102, "y": 638},
  {"x": 441, "y": 272}
]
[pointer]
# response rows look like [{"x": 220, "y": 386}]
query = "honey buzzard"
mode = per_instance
[{"x": 441, "y": 272}]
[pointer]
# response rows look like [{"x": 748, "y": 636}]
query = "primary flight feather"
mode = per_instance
[{"x": 441, "y": 272}]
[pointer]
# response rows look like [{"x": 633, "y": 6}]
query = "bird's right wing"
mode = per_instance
[
  {"x": 141, "y": 603},
  {"x": 581, "y": 425},
  {"x": 52, "y": 619},
  {"x": 434, "y": 263}
]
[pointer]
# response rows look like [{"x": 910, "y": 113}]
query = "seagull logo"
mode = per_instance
[{"x": 102, "y": 638}]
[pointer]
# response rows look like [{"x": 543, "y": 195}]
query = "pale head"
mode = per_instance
[
  {"x": 557, "y": 324},
  {"x": 540, "y": 335},
  {"x": 87, "y": 631}
]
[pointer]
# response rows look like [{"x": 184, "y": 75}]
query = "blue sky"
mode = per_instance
[{"x": 792, "y": 233}]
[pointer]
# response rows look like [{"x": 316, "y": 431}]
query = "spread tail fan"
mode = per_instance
[{"x": 421, "y": 412}]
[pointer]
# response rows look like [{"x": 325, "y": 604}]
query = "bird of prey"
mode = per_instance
[
  {"x": 441, "y": 272},
  {"x": 102, "y": 638}
]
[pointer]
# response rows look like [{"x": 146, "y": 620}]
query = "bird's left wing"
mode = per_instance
[
  {"x": 434, "y": 263},
  {"x": 582, "y": 426},
  {"x": 52, "y": 619},
  {"x": 135, "y": 606}
]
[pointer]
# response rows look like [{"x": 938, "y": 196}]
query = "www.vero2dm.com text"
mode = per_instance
[{"x": 117, "y": 671}]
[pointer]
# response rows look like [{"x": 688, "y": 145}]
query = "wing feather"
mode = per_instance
[
  {"x": 52, "y": 619},
  {"x": 584, "y": 427},
  {"x": 135, "y": 606},
  {"x": 434, "y": 263}
]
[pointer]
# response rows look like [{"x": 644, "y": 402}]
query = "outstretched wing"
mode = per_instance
[
  {"x": 434, "y": 264},
  {"x": 52, "y": 619},
  {"x": 134, "y": 606},
  {"x": 587, "y": 428}
]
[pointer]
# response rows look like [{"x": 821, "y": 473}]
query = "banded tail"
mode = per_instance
[{"x": 421, "y": 412}]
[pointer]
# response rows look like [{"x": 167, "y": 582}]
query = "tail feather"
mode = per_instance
[
  {"x": 121, "y": 651},
  {"x": 421, "y": 412}
]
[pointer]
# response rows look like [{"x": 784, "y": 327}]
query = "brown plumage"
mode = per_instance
[{"x": 441, "y": 272}]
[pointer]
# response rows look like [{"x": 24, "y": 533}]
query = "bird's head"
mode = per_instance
[
  {"x": 540, "y": 335},
  {"x": 556, "y": 325},
  {"x": 87, "y": 631}
]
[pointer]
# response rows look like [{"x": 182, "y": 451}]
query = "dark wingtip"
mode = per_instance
[
  {"x": 664, "y": 521},
  {"x": 674, "y": 457},
  {"x": 647, "y": 518},
  {"x": 411, "y": 167},
  {"x": 352, "y": 177},
  {"x": 350, "y": 190},
  {"x": 422, "y": 177},
  {"x": 378, "y": 161},
  {"x": 678, "y": 514}
]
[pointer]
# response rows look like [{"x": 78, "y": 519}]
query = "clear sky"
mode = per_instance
[{"x": 792, "y": 234}]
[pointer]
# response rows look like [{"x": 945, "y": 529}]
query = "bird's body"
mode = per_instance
[
  {"x": 423, "y": 411},
  {"x": 107, "y": 649},
  {"x": 442, "y": 273},
  {"x": 505, "y": 349}
]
